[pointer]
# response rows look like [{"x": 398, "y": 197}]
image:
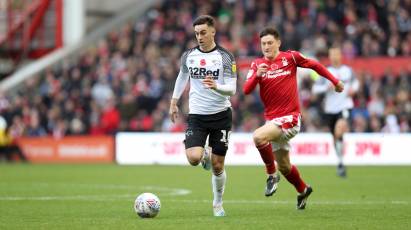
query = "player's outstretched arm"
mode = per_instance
[
  {"x": 253, "y": 77},
  {"x": 319, "y": 68}
]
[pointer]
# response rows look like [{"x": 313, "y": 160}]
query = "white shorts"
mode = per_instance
[{"x": 290, "y": 125}]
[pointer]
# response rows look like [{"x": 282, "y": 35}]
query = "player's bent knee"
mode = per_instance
[
  {"x": 259, "y": 138},
  {"x": 193, "y": 162},
  {"x": 217, "y": 164},
  {"x": 341, "y": 127},
  {"x": 193, "y": 157},
  {"x": 338, "y": 133}
]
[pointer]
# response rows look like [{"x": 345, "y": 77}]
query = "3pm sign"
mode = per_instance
[
  {"x": 377, "y": 149},
  {"x": 307, "y": 149}
]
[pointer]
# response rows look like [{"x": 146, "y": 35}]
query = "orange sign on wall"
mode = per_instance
[{"x": 72, "y": 149}]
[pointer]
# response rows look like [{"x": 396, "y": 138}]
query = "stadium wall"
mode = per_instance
[
  {"x": 168, "y": 149},
  {"x": 307, "y": 149}
]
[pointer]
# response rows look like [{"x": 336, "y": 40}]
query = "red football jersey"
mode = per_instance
[{"x": 278, "y": 87}]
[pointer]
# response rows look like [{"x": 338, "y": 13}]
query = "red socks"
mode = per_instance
[
  {"x": 267, "y": 155},
  {"x": 294, "y": 178}
]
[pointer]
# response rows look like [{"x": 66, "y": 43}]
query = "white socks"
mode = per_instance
[
  {"x": 338, "y": 149},
  {"x": 218, "y": 183}
]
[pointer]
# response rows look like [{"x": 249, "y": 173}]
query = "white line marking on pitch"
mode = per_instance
[
  {"x": 47, "y": 198},
  {"x": 396, "y": 202},
  {"x": 170, "y": 191},
  {"x": 162, "y": 191},
  {"x": 132, "y": 196}
]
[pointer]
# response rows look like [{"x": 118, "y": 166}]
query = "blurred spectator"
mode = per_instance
[
  {"x": 35, "y": 129},
  {"x": 391, "y": 124},
  {"x": 124, "y": 81},
  {"x": 60, "y": 129},
  {"x": 8, "y": 145},
  {"x": 375, "y": 124},
  {"x": 101, "y": 91},
  {"x": 359, "y": 124},
  {"x": 110, "y": 117}
]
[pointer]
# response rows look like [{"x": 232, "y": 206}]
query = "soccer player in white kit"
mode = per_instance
[
  {"x": 337, "y": 106},
  {"x": 211, "y": 71}
]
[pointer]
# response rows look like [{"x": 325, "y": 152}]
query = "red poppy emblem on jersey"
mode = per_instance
[
  {"x": 274, "y": 66},
  {"x": 202, "y": 62}
]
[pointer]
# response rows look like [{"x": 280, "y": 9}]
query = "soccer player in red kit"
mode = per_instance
[{"x": 276, "y": 75}]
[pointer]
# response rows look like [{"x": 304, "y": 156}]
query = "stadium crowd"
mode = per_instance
[{"x": 124, "y": 82}]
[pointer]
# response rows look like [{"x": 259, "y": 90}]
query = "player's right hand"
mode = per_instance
[
  {"x": 339, "y": 87},
  {"x": 173, "y": 112},
  {"x": 262, "y": 69}
]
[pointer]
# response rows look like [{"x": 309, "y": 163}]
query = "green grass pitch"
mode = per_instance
[{"x": 102, "y": 197}]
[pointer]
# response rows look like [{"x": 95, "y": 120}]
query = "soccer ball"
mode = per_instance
[{"x": 147, "y": 205}]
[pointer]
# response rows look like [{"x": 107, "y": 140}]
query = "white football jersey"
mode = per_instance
[
  {"x": 195, "y": 66},
  {"x": 337, "y": 102}
]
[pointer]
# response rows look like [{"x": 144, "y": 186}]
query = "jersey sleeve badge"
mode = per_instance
[{"x": 233, "y": 67}]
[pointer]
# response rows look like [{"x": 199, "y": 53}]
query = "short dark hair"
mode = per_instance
[
  {"x": 270, "y": 31},
  {"x": 204, "y": 19}
]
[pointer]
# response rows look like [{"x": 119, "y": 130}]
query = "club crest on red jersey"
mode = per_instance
[{"x": 284, "y": 61}]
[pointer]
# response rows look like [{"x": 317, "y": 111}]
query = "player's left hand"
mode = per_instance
[
  {"x": 209, "y": 82},
  {"x": 339, "y": 87},
  {"x": 173, "y": 112}
]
